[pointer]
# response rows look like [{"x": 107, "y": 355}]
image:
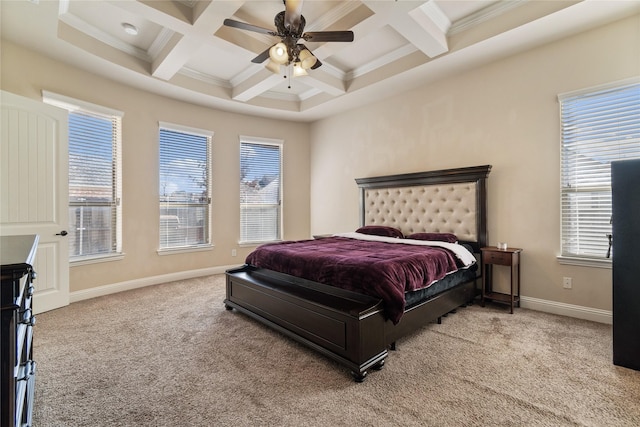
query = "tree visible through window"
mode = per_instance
[
  {"x": 260, "y": 190},
  {"x": 598, "y": 126},
  {"x": 184, "y": 187}
]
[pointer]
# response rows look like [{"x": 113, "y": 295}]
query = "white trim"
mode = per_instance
[
  {"x": 161, "y": 40},
  {"x": 95, "y": 259},
  {"x": 260, "y": 140},
  {"x": 203, "y": 77},
  {"x": 145, "y": 281},
  {"x": 185, "y": 249},
  {"x": 599, "y": 88},
  {"x": 483, "y": 15},
  {"x": 585, "y": 262},
  {"x": 72, "y": 104},
  {"x": 381, "y": 61},
  {"x": 186, "y": 129},
  {"x": 569, "y": 310}
]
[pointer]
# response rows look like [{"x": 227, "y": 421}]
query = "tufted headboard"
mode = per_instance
[{"x": 443, "y": 201}]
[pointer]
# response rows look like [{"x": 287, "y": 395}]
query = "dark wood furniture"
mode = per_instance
[
  {"x": 17, "y": 368},
  {"x": 625, "y": 184},
  {"x": 509, "y": 257},
  {"x": 351, "y": 328}
]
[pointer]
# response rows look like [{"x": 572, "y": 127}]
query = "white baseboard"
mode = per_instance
[
  {"x": 579, "y": 312},
  {"x": 570, "y": 310},
  {"x": 145, "y": 281}
]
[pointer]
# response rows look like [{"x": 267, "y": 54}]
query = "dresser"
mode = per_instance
[{"x": 17, "y": 254}]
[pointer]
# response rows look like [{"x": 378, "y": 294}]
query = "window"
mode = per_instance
[
  {"x": 94, "y": 178},
  {"x": 260, "y": 190},
  {"x": 185, "y": 183},
  {"x": 598, "y": 126}
]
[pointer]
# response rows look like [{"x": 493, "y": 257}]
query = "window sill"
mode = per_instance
[
  {"x": 186, "y": 249},
  {"x": 250, "y": 244},
  {"x": 584, "y": 262},
  {"x": 96, "y": 259}
]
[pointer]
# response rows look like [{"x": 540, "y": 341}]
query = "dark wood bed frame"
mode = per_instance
[{"x": 348, "y": 327}]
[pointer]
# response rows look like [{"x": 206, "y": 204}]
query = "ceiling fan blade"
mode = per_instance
[
  {"x": 328, "y": 36},
  {"x": 292, "y": 13},
  {"x": 248, "y": 27},
  {"x": 262, "y": 57}
]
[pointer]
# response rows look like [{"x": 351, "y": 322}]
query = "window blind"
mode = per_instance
[
  {"x": 598, "y": 127},
  {"x": 95, "y": 177},
  {"x": 260, "y": 192},
  {"x": 94, "y": 159},
  {"x": 184, "y": 188}
]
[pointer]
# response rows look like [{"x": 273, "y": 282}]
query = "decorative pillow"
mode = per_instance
[
  {"x": 439, "y": 237},
  {"x": 380, "y": 230}
]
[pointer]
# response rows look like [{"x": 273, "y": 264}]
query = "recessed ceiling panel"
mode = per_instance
[
  {"x": 224, "y": 64},
  {"x": 103, "y": 21},
  {"x": 368, "y": 49}
]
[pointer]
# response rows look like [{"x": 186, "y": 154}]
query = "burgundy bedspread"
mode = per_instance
[{"x": 380, "y": 269}]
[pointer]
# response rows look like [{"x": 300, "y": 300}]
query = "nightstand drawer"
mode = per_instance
[{"x": 496, "y": 257}]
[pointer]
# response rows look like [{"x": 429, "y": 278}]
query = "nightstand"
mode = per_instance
[{"x": 509, "y": 257}]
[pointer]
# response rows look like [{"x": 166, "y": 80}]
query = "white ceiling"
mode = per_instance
[{"x": 184, "y": 51}]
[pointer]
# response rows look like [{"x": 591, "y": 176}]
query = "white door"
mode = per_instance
[{"x": 34, "y": 190}]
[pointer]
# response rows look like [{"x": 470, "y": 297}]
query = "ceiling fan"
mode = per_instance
[{"x": 289, "y": 27}]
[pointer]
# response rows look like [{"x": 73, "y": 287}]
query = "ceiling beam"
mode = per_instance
[
  {"x": 174, "y": 56},
  {"x": 326, "y": 82},
  {"x": 428, "y": 19},
  {"x": 424, "y": 25},
  {"x": 255, "y": 85}
]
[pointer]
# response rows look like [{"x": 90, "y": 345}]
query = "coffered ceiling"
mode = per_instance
[{"x": 183, "y": 50}]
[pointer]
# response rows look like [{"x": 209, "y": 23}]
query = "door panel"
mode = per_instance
[{"x": 34, "y": 189}]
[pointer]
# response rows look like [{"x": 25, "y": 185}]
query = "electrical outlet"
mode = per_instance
[
  {"x": 234, "y": 252},
  {"x": 567, "y": 282}
]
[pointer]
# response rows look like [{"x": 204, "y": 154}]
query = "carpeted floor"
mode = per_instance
[{"x": 171, "y": 355}]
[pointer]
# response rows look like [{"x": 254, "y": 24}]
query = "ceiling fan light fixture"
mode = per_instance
[
  {"x": 272, "y": 66},
  {"x": 278, "y": 53},
  {"x": 307, "y": 60},
  {"x": 298, "y": 70}
]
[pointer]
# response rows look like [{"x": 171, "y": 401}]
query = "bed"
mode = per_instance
[{"x": 348, "y": 324}]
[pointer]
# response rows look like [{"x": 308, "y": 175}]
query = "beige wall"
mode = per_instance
[
  {"x": 27, "y": 73},
  {"x": 504, "y": 114}
]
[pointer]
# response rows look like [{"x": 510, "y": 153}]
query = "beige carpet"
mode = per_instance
[{"x": 171, "y": 355}]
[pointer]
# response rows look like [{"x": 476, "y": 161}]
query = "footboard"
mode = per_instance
[{"x": 345, "y": 326}]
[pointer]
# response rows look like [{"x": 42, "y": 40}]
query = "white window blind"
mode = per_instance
[
  {"x": 94, "y": 178},
  {"x": 260, "y": 191},
  {"x": 598, "y": 127},
  {"x": 185, "y": 182}
]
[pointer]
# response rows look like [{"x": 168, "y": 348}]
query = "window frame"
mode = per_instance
[
  {"x": 279, "y": 143},
  {"x": 567, "y": 257},
  {"x": 73, "y": 105},
  {"x": 208, "y": 236}
]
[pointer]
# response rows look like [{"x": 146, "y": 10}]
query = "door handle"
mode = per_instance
[{"x": 62, "y": 233}]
